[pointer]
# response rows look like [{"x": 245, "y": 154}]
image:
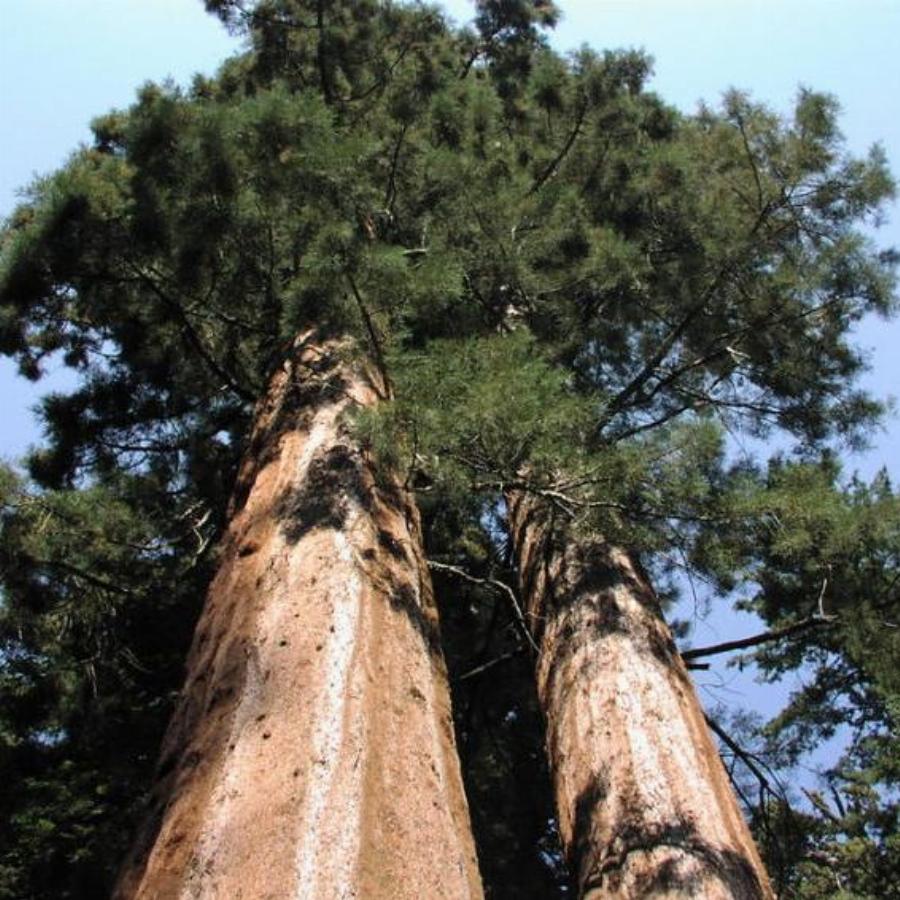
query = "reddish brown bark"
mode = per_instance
[
  {"x": 311, "y": 754},
  {"x": 645, "y": 806}
]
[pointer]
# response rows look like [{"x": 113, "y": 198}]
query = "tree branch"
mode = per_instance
[
  {"x": 390, "y": 197},
  {"x": 373, "y": 337},
  {"x": 752, "y": 160},
  {"x": 551, "y": 169},
  {"x": 650, "y": 368},
  {"x": 819, "y": 803},
  {"x": 747, "y": 758},
  {"x": 490, "y": 664},
  {"x": 500, "y": 586},
  {"x": 193, "y": 338},
  {"x": 765, "y": 637},
  {"x": 78, "y": 572}
]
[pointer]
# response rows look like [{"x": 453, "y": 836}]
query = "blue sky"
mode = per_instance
[{"x": 64, "y": 61}]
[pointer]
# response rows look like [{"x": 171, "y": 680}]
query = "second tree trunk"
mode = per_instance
[{"x": 645, "y": 806}]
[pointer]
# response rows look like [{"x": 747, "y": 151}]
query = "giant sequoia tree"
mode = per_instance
[{"x": 386, "y": 296}]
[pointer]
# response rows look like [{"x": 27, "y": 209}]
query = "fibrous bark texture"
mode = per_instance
[
  {"x": 311, "y": 754},
  {"x": 644, "y": 803}
]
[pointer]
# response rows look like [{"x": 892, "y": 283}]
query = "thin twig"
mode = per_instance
[
  {"x": 373, "y": 336},
  {"x": 496, "y": 585},
  {"x": 553, "y": 167},
  {"x": 484, "y": 667}
]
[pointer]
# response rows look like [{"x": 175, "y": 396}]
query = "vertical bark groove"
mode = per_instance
[
  {"x": 644, "y": 803},
  {"x": 311, "y": 754}
]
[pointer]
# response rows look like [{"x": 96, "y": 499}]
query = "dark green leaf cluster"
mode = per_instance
[
  {"x": 840, "y": 552},
  {"x": 100, "y": 587},
  {"x": 824, "y": 558}
]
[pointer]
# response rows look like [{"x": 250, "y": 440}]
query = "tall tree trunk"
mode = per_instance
[
  {"x": 311, "y": 754},
  {"x": 644, "y": 803}
]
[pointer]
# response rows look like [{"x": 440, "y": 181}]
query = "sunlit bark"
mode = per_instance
[
  {"x": 645, "y": 806},
  {"x": 311, "y": 754}
]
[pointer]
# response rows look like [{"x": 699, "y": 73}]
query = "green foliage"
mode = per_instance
[
  {"x": 100, "y": 587},
  {"x": 486, "y": 406},
  {"x": 816, "y": 551}
]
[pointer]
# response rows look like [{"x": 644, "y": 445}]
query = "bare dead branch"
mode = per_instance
[
  {"x": 490, "y": 664},
  {"x": 497, "y": 585},
  {"x": 775, "y": 634}
]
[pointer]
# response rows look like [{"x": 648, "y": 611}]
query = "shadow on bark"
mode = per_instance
[
  {"x": 404, "y": 598},
  {"x": 582, "y": 594},
  {"x": 333, "y": 482},
  {"x": 731, "y": 869}
]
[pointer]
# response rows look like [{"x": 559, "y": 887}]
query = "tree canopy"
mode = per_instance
[{"x": 569, "y": 287}]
